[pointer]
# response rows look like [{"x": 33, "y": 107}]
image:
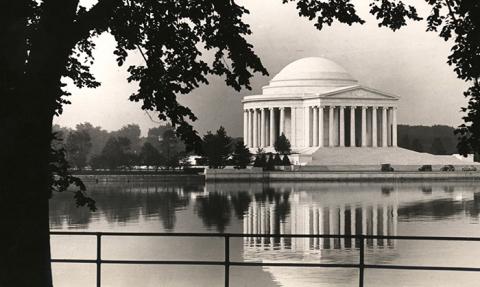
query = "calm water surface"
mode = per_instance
[{"x": 439, "y": 209}]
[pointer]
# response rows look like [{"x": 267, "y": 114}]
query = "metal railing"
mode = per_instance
[{"x": 361, "y": 265}]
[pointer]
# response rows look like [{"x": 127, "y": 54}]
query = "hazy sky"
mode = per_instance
[{"x": 410, "y": 63}]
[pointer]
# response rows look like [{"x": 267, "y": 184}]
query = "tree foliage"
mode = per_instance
[
  {"x": 460, "y": 21},
  {"x": 427, "y": 135},
  {"x": 241, "y": 156},
  {"x": 282, "y": 145},
  {"x": 132, "y": 133},
  {"x": 277, "y": 160},
  {"x": 270, "y": 162},
  {"x": 98, "y": 137},
  {"x": 62, "y": 179},
  {"x": 438, "y": 147},
  {"x": 417, "y": 145},
  {"x": 115, "y": 154},
  {"x": 150, "y": 156},
  {"x": 171, "y": 149},
  {"x": 78, "y": 145},
  {"x": 286, "y": 161},
  {"x": 217, "y": 148}
]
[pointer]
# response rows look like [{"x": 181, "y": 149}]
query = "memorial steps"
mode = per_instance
[{"x": 376, "y": 156}]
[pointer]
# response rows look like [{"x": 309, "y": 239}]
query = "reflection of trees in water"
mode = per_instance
[
  {"x": 165, "y": 204},
  {"x": 123, "y": 203},
  {"x": 120, "y": 204},
  {"x": 215, "y": 208},
  {"x": 63, "y": 208},
  {"x": 441, "y": 208},
  {"x": 240, "y": 202},
  {"x": 281, "y": 200}
]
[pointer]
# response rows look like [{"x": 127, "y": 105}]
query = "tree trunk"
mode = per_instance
[
  {"x": 25, "y": 191},
  {"x": 30, "y": 87}
]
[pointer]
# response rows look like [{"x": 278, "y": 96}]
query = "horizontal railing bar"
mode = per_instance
[
  {"x": 90, "y": 261},
  {"x": 444, "y": 238},
  {"x": 430, "y": 268},
  {"x": 243, "y": 235},
  {"x": 183, "y": 234},
  {"x": 164, "y": 262}
]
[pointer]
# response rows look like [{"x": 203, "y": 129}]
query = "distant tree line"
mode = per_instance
[
  {"x": 97, "y": 148},
  {"x": 220, "y": 150},
  {"x": 437, "y": 139}
]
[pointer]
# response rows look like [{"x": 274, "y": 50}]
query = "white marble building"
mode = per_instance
[
  {"x": 316, "y": 103},
  {"x": 330, "y": 119}
]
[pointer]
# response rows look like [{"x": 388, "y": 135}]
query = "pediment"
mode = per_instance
[{"x": 358, "y": 92}]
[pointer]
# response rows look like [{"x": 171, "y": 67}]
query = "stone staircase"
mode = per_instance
[{"x": 379, "y": 155}]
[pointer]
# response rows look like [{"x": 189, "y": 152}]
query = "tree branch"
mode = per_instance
[
  {"x": 450, "y": 11},
  {"x": 96, "y": 18}
]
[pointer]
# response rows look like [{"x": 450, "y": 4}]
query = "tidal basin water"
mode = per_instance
[{"x": 437, "y": 209}]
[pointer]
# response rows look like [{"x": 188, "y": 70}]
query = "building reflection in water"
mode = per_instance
[{"x": 313, "y": 218}]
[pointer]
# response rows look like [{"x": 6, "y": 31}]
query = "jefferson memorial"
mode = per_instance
[{"x": 328, "y": 117}]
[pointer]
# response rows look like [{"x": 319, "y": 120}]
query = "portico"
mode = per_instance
[
  {"x": 317, "y": 104},
  {"x": 326, "y": 125}
]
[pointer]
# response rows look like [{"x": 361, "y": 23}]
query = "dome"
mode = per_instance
[{"x": 313, "y": 71}]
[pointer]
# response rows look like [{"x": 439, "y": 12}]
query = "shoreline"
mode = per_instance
[
  {"x": 257, "y": 175},
  {"x": 339, "y": 176}
]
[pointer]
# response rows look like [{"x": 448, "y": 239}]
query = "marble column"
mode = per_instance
[
  {"x": 282, "y": 121},
  {"x": 320, "y": 126},
  {"x": 352, "y": 126},
  {"x": 271, "y": 140},
  {"x": 384, "y": 127},
  {"x": 330, "y": 126},
  {"x": 315, "y": 126},
  {"x": 255, "y": 128},
  {"x": 245, "y": 126},
  {"x": 364, "y": 126},
  {"x": 293, "y": 126},
  {"x": 394, "y": 126},
  {"x": 374, "y": 127},
  {"x": 262, "y": 128},
  {"x": 249, "y": 128},
  {"x": 306, "y": 126},
  {"x": 342, "y": 126}
]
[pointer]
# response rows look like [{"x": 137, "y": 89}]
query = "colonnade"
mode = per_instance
[
  {"x": 262, "y": 126},
  {"x": 323, "y": 126},
  {"x": 352, "y": 126},
  {"x": 376, "y": 219}
]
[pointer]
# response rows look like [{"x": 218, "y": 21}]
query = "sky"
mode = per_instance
[{"x": 409, "y": 63}]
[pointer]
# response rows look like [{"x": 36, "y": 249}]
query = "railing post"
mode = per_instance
[
  {"x": 362, "y": 261},
  {"x": 227, "y": 260},
  {"x": 99, "y": 259}
]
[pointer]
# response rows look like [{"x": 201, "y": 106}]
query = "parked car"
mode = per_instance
[
  {"x": 387, "y": 167},
  {"x": 469, "y": 168},
  {"x": 448, "y": 167},
  {"x": 425, "y": 167}
]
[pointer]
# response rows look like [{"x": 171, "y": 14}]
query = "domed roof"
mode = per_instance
[{"x": 313, "y": 69}]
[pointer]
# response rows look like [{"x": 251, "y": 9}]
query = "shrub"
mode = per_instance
[
  {"x": 277, "y": 160},
  {"x": 270, "y": 163},
  {"x": 286, "y": 161}
]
